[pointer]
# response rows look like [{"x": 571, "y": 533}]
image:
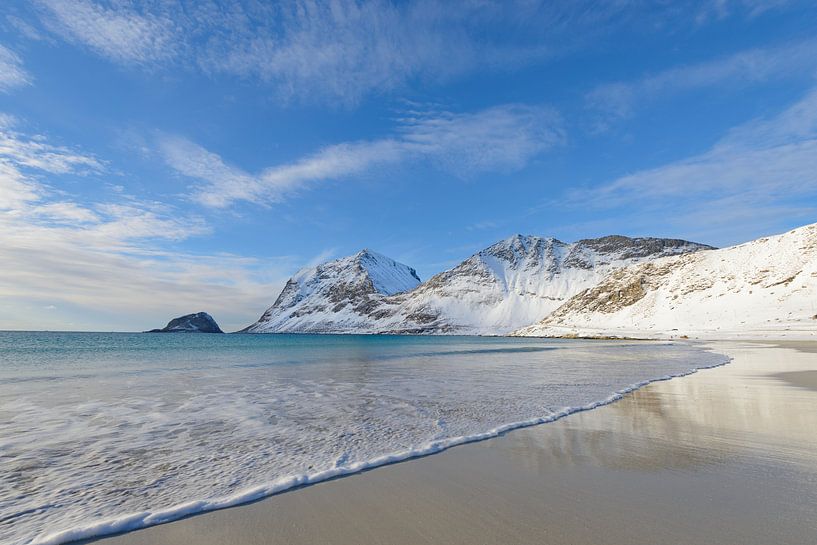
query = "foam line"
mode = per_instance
[{"x": 144, "y": 519}]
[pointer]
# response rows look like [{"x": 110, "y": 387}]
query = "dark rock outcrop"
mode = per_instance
[{"x": 200, "y": 322}]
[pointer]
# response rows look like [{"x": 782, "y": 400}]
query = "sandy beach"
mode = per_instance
[{"x": 726, "y": 455}]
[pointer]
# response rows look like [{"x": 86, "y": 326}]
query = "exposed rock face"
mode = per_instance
[
  {"x": 767, "y": 287},
  {"x": 510, "y": 284},
  {"x": 200, "y": 322}
]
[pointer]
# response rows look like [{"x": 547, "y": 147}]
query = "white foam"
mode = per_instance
[
  {"x": 140, "y": 430},
  {"x": 135, "y": 521}
]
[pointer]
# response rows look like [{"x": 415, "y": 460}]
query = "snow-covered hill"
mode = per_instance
[
  {"x": 510, "y": 284},
  {"x": 763, "y": 288},
  {"x": 336, "y": 297}
]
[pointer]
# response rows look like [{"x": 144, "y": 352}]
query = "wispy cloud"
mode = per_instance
[
  {"x": 19, "y": 154},
  {"x": 770, "y": 155},
  {"x": 757, "y": 175},
  {"x": 482, "y": 225},
  {"x": 25, "y": 29},
  {"x": 499, "y": 138},
  {"x": 339, "y": 51},
  {"x": 12, "y": 73},
  {"x": 618, "y": 100},
  {"x": 721, "y": 9},
  {"x": 344, "y": 49},
  {"x": 119, "y": 32},
  {"x": 107, "y": 259},
  {"x": 220, "y": 184},
  {"x": 322, "y": 257},
  {"x": 35, "y": 152},
  {"x": 503, "y": 137}
]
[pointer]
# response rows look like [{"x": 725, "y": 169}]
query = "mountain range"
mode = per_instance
[{"x": 511, "y": 284}]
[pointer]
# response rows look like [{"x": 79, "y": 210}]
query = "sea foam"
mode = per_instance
[{"x": 146, "y": 444}]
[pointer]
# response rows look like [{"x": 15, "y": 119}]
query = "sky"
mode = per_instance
[{"x": 159, "y": 158}]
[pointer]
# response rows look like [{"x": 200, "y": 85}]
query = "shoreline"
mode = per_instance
[
  {"x": 300, "y": 514},
  {"x": 134, "y": 522}
]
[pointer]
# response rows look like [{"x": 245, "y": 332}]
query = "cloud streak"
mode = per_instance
[
  {"x": 775, "y": 155},
  {"x": 618, "y": 100},
  {"x": 12, "y": 73},
  {"x": 339, "y": 51},
  {"x": 756, "y": 176},
  {"x": 120, "y": 33},
  {"x": 500, "y": 138},
  {"x": 335, "y": 50}
]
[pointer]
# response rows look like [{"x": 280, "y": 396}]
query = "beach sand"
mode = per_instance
[{"x": 727, "y": 456}]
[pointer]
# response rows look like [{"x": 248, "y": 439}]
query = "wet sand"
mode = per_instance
[
  {"x": 802, "y": 379},
  {"x": 727, "y": 455}
]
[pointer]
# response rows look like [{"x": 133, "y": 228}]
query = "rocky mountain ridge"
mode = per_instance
[
  {"x": 508, "y": 285},
  {"x": 766, "y": 287}
]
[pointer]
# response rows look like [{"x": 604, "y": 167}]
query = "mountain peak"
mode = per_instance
[
  {"x": 387, "y": 275},
  {"x": 334, "y": 296},
  {"x": 367, "y": 252}
]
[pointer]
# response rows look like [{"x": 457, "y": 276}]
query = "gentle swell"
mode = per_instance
[{"x": 144, "y": 519}]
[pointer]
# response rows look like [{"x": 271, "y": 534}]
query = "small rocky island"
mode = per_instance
[{"x": 200, "y": 322}]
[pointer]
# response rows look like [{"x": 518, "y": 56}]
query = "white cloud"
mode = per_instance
[
  {"x": 768, "y": 155},
  {"x": 118, "y": 32},
  {"x": 337, "y": 50},
  {"x": 12, "y": 73},
  {"x": 99, "y": 261},
  {"x": 20, "y": 154},
  {"x": 500, "y": 138},
  {"x": 721, "y": 9},
  {"x": 758, "y": 174},
  {"x": 618, "y": 100},
  {"x": 24, "y": 28},
  {"x": 15, "y": 189},
  {"x": 344, "y": 49},
  {"x": 67, "y": 212},
  {"x": 786, "y": 169},
  {"x": 341, "y": 50},
  {"x": 34, "y": 152}
]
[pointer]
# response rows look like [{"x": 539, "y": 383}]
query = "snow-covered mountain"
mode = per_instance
[
  {"x": 767, "y": 287},
  {"x": 510, "y": 284},
  {"x": 518, "y": 281},
  {"x": 336, "y": 297}
]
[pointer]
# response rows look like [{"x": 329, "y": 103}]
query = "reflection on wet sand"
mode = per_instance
[{"x": 703, "y": 419}]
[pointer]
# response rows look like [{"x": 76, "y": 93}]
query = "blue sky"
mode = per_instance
[{"x": 159, "y": 158}]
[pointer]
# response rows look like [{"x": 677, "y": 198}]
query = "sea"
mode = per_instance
[{"x": 102, "y": 433}]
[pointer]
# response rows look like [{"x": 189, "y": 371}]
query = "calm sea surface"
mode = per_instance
[{"x": 104, "y": 432}]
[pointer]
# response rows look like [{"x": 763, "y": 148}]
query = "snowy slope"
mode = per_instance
[
  {"x": 518, "y": 281},
  {"x": 764, "y": 288},
  {"x": 510, "y": 284},
  {"x": 336, "y": 296}
]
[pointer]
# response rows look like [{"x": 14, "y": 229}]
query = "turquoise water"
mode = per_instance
[{"x": 103, "y": 432}]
